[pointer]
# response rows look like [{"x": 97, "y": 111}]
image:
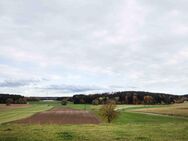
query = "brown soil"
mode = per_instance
[{"x": 62, "y": 116}]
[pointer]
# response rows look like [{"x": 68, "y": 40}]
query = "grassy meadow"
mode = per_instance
[
  {"x": 130, "y": 125},
  {"x": 12, "y": 114},
  {"x": 174, "y": 110}
]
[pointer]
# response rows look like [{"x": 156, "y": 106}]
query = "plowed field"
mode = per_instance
[{"x": 62, "y": 116}]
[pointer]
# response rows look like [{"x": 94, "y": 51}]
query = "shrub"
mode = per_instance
[
  {"x": 95, "y": 102},
  {"x": 108, "y": 111},
  {"x": 9, "y": 101},
  {"x": 64, "y": 102}
]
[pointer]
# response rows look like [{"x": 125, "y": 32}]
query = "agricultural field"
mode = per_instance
[
  {"x": 131, "y": 124},
  {"x": 62, "y": 116}
]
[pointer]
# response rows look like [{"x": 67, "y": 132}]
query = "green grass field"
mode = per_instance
[
  {"x": 129, "y": 126},
  {"x": 18, "y": 113}
]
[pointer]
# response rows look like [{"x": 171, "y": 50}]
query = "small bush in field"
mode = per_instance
[
  {"x": 95, "y": 102},
  {"x": 108, "y": 111},
  {"x": 9, "y": 101},
  {"x": 63, "y": 102}
]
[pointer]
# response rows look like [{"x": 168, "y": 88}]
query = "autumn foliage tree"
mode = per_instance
[
  {"x": 108, "y": 111},
  {"x": 148, "y": 100}
]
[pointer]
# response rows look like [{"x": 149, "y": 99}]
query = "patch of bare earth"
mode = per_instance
[{"x": 62, "y": 116}]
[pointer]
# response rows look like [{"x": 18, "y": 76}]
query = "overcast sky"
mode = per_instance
[{"x": 63, "y": 47}]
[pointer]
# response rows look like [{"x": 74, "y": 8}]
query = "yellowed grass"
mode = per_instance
[
  {"x": 174, "y": 109},
  {"x": 13, "y": 106}
]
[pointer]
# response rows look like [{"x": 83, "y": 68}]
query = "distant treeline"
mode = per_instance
[
  {"x": 12, "y": 99},
  {"x": 127, "y": 97},
  {"x": 41, "y": 98}
]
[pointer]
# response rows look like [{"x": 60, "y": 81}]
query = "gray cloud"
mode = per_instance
[
  {"x": 72, "y": 88},
  {"x": 18, "y": 83}
]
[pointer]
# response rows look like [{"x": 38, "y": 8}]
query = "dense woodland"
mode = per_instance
[
  {"x": 125, "y": 97},
  {"x": 128, "y": 97},
  {"x": 12, "y": 99}
]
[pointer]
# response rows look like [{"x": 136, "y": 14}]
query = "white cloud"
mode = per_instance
[{"x": 135, "y": 44}]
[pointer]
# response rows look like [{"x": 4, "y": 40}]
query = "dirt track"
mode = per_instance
[{"x": 62, "y": 116}]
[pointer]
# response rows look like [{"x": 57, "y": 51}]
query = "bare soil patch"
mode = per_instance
[{"x": 62, "y": 116}]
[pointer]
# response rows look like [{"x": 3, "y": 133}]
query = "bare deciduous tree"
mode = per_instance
[{"x": 108, "y": 111}]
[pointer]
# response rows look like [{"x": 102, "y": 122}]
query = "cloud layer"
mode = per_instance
[{"x": 93, "y": 46}]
